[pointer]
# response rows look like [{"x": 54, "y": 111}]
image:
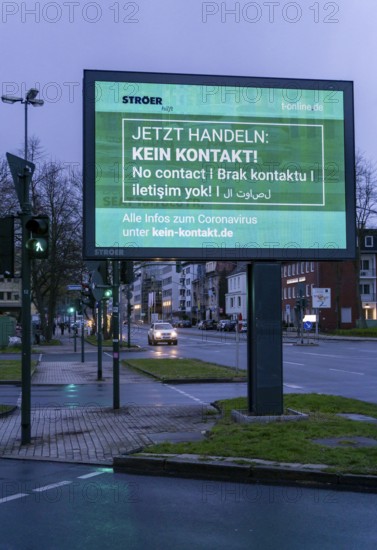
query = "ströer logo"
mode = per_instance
[{"x": 146, "y": 100}]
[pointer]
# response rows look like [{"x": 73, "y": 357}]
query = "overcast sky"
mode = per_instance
[{"x": 48, "y": 45}]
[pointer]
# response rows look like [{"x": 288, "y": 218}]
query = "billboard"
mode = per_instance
[{"x": 212, "y": 167}]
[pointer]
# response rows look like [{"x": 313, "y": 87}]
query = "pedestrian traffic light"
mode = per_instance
[{"x": 37, "y": 244}]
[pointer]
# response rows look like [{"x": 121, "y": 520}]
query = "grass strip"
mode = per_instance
[
  {"x": 4, "y": 409},
  {"x": 182, "y": 369},
  {"x": 292, "y": 441},
  {"x": 107, "y": 343},
  {"x": 362, "y": 332},
  {"x": 10, "y": 369}
]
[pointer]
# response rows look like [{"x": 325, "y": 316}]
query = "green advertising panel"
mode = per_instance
[{"x": 214, "y": 167}]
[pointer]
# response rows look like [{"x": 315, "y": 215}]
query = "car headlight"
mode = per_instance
[
  {"x": 158, "y": 334},
  {"x": 174, "y": 334}
]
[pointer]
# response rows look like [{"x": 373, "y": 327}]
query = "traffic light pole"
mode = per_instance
[
  {"x": 99, "y": 340},
  {"x": 116, "y": 385},
  {"x": 26, "y": 315}
]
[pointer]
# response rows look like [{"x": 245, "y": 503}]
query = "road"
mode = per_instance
[
  {"x": 334, "y": 367},
  {"x": 65, "y": 506}
]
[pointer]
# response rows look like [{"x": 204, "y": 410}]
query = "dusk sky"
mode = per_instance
[{"x": 48, "y": 45}]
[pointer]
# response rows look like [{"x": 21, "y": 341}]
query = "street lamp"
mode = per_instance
[
  {"x": 25, "y": 214},
  {"x": 29, "y": 99}
]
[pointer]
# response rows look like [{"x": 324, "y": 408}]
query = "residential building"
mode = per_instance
[{"x": 236, "y": 297}]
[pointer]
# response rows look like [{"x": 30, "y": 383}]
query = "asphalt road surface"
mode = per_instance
[{"x": 66, "y": 506}]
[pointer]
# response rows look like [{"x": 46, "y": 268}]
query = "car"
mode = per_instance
[
  {"x": 162, "y": 332},
  {"x": 230, "y": 327},
  {"x": 208, "y": 324},
  {"x": 223, "y": 324},
  {"x": 184, "y": 323},
  {"x": 243, "y": 326}
]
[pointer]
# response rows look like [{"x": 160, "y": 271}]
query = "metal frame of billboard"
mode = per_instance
[{"x": 271, "y": 250}]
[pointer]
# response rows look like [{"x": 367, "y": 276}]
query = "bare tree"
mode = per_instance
[
  {"x": 366, "y": 192},
  {"x": 58, "y": 194},
  {"x": 366, "y": 210}
]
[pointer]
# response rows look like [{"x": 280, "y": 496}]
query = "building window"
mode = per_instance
[
  {"x": 364, "y": 265},
  {"x": 307, "y": 290},
  {"x": 369, "y": 241},
  {"x": 289, "y": 293},
  {"x": 346, "y": 315},
  {"x": 289, "y": 270},
  {"x": 312, "y": 267},
  {"x": 285, "y": 293},
  {"x": 294, "y": 269},
  {"x": 239, "y": 301},
  {"x": 293, "y": 292},
  {"x": 365, "y": 289},
  {"x": 302, "y": 267},
  {"x": 307, "y": 267},
  {"x": 285, "y": 271},
  {"x": 232, "y": 302}
]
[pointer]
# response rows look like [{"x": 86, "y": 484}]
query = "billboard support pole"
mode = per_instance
[{"x": 264, "y": 340}]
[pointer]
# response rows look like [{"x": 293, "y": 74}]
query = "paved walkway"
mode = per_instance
[{"x": 95, "y": 434}]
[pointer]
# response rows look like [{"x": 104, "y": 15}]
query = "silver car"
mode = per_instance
[{"x": 162, "y": 332}]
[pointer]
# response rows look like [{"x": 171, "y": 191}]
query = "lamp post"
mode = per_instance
[
  {"x": 26, "y": 210},
  {"x": 29, "y": 99}
]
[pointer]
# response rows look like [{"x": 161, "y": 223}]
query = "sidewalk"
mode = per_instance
[
  {"x": 92, "y": 434},
  {"x": 104, "y": 436}
]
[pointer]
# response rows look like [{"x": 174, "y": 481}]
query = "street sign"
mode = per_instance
[
  {"x": 74, "y": 287},
  {"x": 17, "y": 167},
  {"x": 308, "y": 325},
  {"x": 321, "y": 298}
]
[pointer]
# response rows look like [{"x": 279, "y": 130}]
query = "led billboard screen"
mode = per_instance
[{"x": 206, "y": 167}]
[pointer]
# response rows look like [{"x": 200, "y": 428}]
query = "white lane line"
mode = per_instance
[
  {"x": 349, "y": 371},
  {"x": 185, "y": 394},
  {"x": 86, "y": 476},
  {"x": 52, "y": 486},
  {"x": 292, "y": 363},
  {"x": 326, "y": 355},
  {"x": 13, "y": 497}
]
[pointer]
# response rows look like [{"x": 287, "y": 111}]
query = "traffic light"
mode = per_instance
[
  {"x": 107, "y": 294},
  {"x": 87, "y": 298},
  {"x": 38, "y": 242},
  {"x": 126, "y": 272},
  {"x": 78, "y": 306},
  {"x": 7, "y": 246}
]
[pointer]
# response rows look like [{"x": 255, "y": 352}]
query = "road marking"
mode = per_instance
[
  {"x": 47, "y": 487},
  {"x": 185, "y": 394},
  {"x": 292, "y": 363},
  {"x": 326, "y": 355},
  {"x": 86, "y": 476},
  {"x": 349, "y": 371},
  {"x": 52, "y": 486},
  {"x": 13, "y": 497},
  {"x": 292, "y": 386}
]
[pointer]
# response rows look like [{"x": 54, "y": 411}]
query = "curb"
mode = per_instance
[
  {"x": 216, "y": 470},
  {"x": 185, "y": 380}
]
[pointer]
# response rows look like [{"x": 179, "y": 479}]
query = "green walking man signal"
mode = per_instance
[{"x": 37, "y": 244}]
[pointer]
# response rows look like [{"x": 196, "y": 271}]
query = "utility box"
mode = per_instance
[{"x": 7, "y": 329}]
